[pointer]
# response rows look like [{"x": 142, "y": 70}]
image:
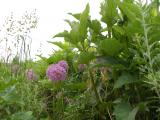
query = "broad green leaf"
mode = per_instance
[
  {"x": 9, "y": 95},
  {"x": 85, "y": 57},
  {"x": 77, "y": 16},
  {"x": 84, "y": 23},
  {"x": 110, "y": 46},
  {"x": 71, "y": 23},
  {"x": 133, "y": 27},
  {"x": 118, "y": 30},
  {"x": 132, "y": 114},
  {"x": 109, "y": 12},
  {"x": 130, "y": 10},
  {"x": 154, "y": 35},
  {"x": 62, "y": 34},
  {"x": 110, "y": 62},
  {"x": 142, "y": 106},
  {"x": 125, "y": 111},
  {"x": 23, "y": 116},
  {"x": 95, "y": 26},
  {"x": 124, "y": 79},
  {"x": 62, "y": 45},
  {"x": 122, "y": 111},
  {"x": 74, "y": 33}
]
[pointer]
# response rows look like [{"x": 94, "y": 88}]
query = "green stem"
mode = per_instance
[
  {"x": 109, "y": 32},
  {"x": 98, "y": 98},
  {"x": 148, "y": 51},
  {"x": 146, "y": 41},
  {"x": 110, "y": 116}
]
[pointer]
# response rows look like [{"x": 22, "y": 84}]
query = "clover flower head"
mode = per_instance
[
  {"x": 56, "y": 73},
  {"x": 82, "y": 67},
  {"x": 63, "y": 64}
]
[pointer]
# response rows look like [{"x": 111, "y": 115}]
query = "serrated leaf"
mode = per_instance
[
  {"x": 95, "y": 26},
  {"x": 109, "y": 12},
  {"x": 71, "y": 23},
  {"x": 130, "y": 10},
  {"x": 119, "y": 30},
  {"x": 84, "y": 22},
  {"x": 110, "y": 46}
]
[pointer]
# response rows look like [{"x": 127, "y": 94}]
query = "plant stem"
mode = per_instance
[
  {"x": 148, "y": 49},
  {"x": 146, "y": 41},
  {"x": 110, "y": 116},
  {"x": 109, "y": 32},
  {"x": 98, "y": 98}
]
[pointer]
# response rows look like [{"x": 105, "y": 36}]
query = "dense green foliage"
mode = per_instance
[{"x": 120, "y": 80}]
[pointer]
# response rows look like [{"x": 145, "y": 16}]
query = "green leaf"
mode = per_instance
[
  {"x": 85, "y": 57},
  {"x": 46, "y": 83},
  {"x": 142, "y": 106},
  {"x": 110, "y": 62},
  {"x": 55, "y": 57},
  {"x": 132, "y": 114},
  {"x": 124, "y": 111},
  {"x": 95, "y": 26},
  {"x": 124, "y": 79},
  {"x": 84, "y": 22},
  {"x": 110, "y": 46},
  {"x": 71, "y": 23},
  {"x": 77, "y": 16},
  {"x": 10, "y": 96},
  {"x": 118, "y": 30},
  {"x": 62, "y": 45},
  {"x": 130, "y": 10},
  {"x": 62, "y": 34},
  {"x": 76, "y": 86},
  {"x": 109, "y": 12},
  {"x": 74, "y": 33},
  {"x": 23, "y": 116}
]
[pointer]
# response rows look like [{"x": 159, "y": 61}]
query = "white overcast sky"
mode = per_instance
[{"x": 51, "y": 15}]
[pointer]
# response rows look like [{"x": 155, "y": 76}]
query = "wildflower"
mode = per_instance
[
  {"x": 63, "y": 64},
  {"x": 56, "y": 73},
  {"x": 30, "y": 74},
  {"x": 82, "y": 67},
  {"x": 104, "y": 73}
]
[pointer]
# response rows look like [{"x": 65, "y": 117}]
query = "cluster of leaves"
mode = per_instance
[
  {"x": 129, "y": 47},
  {"x": 121, "y": 78}
]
